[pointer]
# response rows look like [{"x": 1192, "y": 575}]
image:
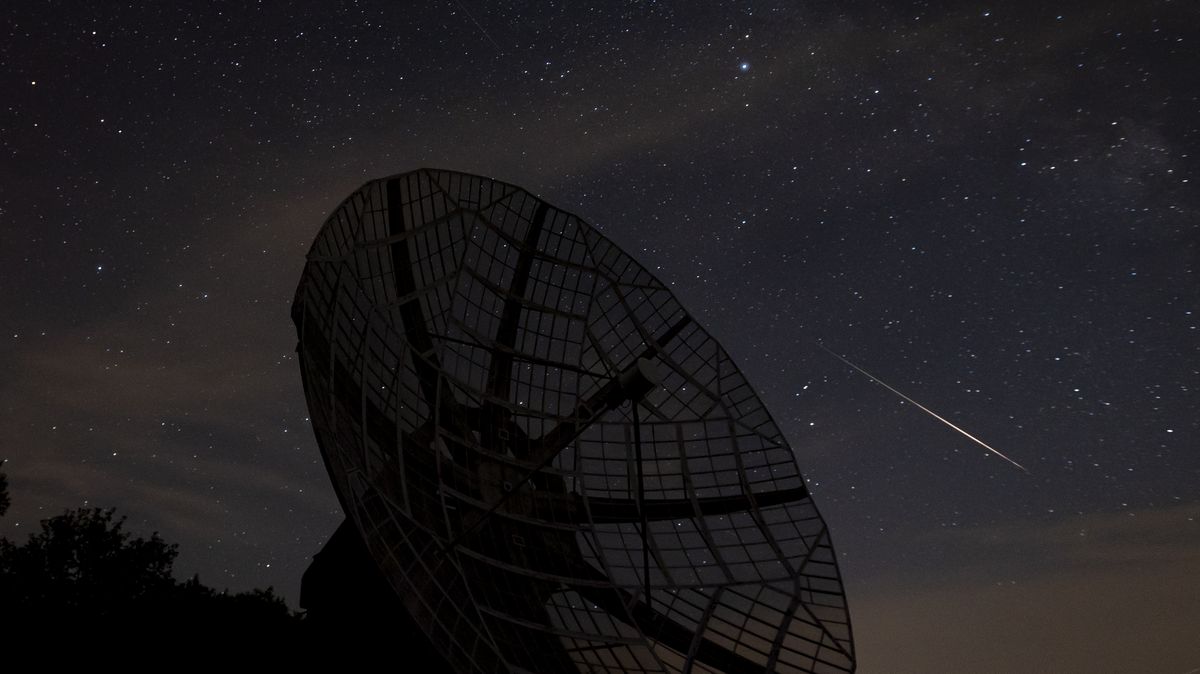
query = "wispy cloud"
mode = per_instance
[{"x": 1096, "y": 593}]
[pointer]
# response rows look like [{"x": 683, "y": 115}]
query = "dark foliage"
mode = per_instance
[
  {"x": 83, "y": 562},
  {"x": 83, "y": 570},
  {"x": 84, "y": 587}
]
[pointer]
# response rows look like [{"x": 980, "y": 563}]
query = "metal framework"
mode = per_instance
[{"x": 554, "y": 466}]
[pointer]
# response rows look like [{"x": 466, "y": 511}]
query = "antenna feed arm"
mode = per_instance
[{"x": 635, "y": 382}]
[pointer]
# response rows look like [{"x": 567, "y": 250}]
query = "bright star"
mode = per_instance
[{"x": 744, "y": 66}]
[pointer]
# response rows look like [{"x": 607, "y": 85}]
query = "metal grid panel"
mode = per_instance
[{"x": 462, "y": 346}]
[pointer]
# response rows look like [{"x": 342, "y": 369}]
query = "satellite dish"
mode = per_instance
[{"x": 551, "y": 463}]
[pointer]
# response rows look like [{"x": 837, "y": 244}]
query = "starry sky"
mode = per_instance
[{"x": 993, "y": 208}]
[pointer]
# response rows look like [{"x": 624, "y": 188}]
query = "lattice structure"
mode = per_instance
[{"x": 484, "y": 372}]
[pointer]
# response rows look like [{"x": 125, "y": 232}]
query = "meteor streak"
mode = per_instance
[{"x": 925, "y": 409}]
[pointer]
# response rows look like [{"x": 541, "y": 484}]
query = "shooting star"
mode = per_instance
[
  {"x": 925, "y": 409},
  {"x": 478, "y": 25}
]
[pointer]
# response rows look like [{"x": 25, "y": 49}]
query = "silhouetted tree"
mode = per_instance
[
  {"x": 82, "y": 564},
  {"x": 83, "y": 570},
  {"x": 202, "y": 607}
]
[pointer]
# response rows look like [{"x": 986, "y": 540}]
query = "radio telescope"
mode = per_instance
[{"x": 550, "y": 462}]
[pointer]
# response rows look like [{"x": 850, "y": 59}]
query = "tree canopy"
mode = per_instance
[
  {"x": 84, "y": 569},
  {"x": 84, "y": 563}
]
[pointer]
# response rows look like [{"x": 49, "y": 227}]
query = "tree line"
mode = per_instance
[{"x": 84, "y": 572}]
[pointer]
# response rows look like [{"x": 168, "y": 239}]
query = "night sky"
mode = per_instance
[{"x": 993, "y": 208}]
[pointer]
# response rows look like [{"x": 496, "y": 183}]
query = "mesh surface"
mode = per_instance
[{"x": 462, "y": 345}]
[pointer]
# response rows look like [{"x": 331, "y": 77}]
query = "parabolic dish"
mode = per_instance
[{"x": 529, "y": 432}]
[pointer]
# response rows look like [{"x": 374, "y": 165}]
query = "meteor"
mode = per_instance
[{"x": 925, "y": 409}]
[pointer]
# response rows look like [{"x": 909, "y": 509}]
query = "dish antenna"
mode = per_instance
[{"x": 551, "y": 463}]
